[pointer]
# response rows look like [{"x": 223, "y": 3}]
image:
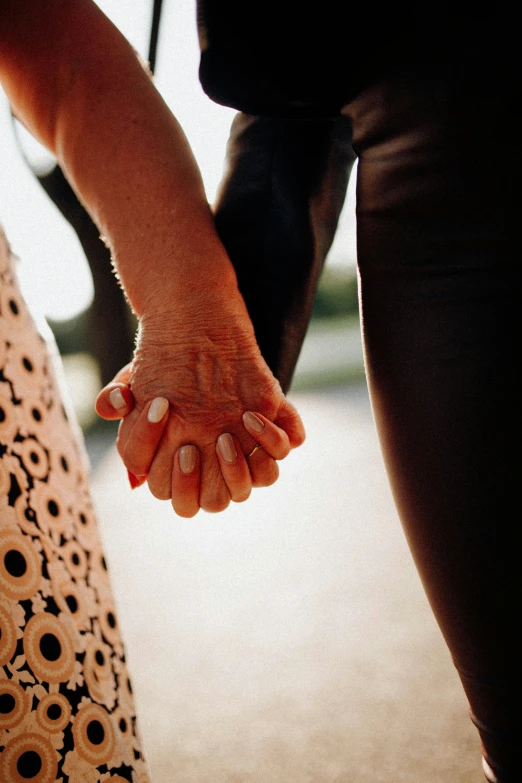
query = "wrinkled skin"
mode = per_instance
[{"x": 211, "y": 373}]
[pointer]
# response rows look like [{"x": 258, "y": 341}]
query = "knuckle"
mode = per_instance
[
  {"x": 160, "y": 489},
  {"x": 301, "y": 437},
  {"x": 241, "y": 496},
  {"x": 267, "y": 476},
  {"x": 300, "y": 432},
  {"x": 281, "y": 450},
  {"x": 182, "y": 511},
  {"x": 285, "y": 451},
  {"x": 135, "y": 465},
  {"x": 272, "y": 474},
  {"x": 296, "y": 439},
  {"x": 215, "y": 505}
]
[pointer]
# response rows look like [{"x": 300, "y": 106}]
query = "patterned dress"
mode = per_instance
[{"x": 66, "y": 705}]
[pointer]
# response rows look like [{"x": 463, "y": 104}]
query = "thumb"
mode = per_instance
[{"x": 115, "y": 400}]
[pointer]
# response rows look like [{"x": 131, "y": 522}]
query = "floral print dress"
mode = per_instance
[{"x": 66, "y": 705}]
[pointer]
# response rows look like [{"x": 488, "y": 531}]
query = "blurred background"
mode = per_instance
[{"x": 288, "y": 639}]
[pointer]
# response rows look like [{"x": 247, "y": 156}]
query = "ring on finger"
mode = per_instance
[{"x": 251, "y": 453}]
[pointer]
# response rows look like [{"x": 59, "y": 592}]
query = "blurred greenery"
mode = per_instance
[
  {"x": 337, "y": 294},
  {"x": 71, "y": 335}
]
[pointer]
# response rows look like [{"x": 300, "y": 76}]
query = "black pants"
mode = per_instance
[{"x": 438, "y": 224}]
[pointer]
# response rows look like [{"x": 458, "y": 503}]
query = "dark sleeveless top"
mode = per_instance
[{"x": 297, "y": 59}]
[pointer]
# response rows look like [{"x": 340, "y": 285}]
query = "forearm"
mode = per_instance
[{"x": 79, "y": 87}]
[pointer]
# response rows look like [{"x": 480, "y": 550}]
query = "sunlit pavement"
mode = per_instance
[{"x": 287, "y": 639}]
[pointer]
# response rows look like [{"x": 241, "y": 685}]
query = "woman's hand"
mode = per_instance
[
  {"x": 240, "y": 471},
  {"x": 79, "y": 87},
  {"x": 195, "y": 453}
]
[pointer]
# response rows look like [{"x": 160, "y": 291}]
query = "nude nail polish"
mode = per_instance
[
  {"x": 157, "y": 410},
  {"x": 117, "y": 399},
  {"x": 252, "y": 422},
  {"x": 187, "y": 459},
  {"x": 227, "y": 447}
]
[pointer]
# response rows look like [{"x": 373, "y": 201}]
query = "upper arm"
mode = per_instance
[
  {"x": 34, "y": 60},
  {"x": 45, "y": 45}
]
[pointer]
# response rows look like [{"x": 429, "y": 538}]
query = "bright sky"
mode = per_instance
[{"x": 53, "y": 272}]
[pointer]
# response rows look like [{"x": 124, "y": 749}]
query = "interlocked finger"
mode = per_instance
[
  {"x": 268, "y": 435},
  {"x": 145, "y": 435},
  {"x": 186, "y": 476},
  {"x": 264, "y": 469},
  {"x": 234, "y": 467}
]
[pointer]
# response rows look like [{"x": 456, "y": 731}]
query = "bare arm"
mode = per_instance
[{"x": 80, "y": 88}]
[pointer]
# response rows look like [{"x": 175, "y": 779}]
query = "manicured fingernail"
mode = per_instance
[
  {"x": 157, "y": 410},
  {"x": 133, "y": 481},
  {"x": 252, "y": 422},
  {"x": 187, "y": 458},
  {"x": 227, "y": 447},
  {"x": 117, "y": 399}
]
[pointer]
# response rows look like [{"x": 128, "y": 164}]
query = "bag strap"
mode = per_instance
[{"x": 154, "y": 33}]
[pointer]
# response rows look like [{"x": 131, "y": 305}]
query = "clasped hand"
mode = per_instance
[{"x": 203, "y": 420}]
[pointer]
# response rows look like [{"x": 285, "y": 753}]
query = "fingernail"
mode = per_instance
[
  {"x": 133, "y": 481},
  {"x": 157, "y": 410},
  {"x": 187, "y": 458},
  {"x": 117, "y": 399},
  {"x": 227, "y": 447},
  {"x": 252, "y": 422}
]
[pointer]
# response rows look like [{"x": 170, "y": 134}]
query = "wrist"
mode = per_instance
[{"x": 197, "y": 322}]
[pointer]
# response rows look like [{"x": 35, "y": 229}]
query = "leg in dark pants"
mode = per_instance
[{"x": 438, "y": 216}]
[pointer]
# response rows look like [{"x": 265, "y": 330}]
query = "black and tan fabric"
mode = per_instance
[{"x": 66, "y": 705}]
